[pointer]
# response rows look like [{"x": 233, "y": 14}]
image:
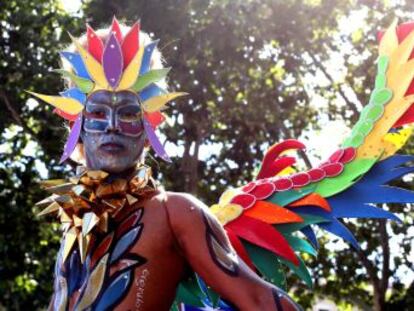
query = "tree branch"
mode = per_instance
[
  {"x": 19, "y": 121},
  {"x": 349, "y": 103},
  {"x": 286, "y": 135},
  {"x": 372, "y": 273},
  {"x": 16, "y": 116},
  {"x": 385, "y": 274}
]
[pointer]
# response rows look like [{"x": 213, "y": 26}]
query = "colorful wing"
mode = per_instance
[{"x": 270, "y": 220}]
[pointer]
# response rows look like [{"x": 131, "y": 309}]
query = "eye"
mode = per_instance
[
  {"x": 96, "y": 114},
  {"x": 129, "y": 114}
]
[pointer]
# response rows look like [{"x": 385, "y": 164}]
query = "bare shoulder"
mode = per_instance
[
  {"x": 183, "y": 201},
  {"x": 184, "y": 209}
]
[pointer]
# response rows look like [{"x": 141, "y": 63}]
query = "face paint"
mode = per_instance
[
  {"x": 129, "y": 120},
  {"x": 112, "y": 132},
  {"x": 122, "y": 114}
]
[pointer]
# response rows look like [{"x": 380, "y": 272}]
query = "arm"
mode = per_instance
[{"x": 208, "y": 250}]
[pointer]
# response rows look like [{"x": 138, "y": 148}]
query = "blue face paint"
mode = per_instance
[{"x": 95, "y": 126}]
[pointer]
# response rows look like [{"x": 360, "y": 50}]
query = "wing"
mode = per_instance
[{"x": 270, "y": 220}]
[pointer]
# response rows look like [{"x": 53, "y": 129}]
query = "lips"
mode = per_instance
[{"x": 112, "y": 147}]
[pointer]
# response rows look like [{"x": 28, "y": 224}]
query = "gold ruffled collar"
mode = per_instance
[{"x": 87, "y": 203}]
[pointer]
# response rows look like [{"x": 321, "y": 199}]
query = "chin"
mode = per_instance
[{"x": 117, "y": 167}]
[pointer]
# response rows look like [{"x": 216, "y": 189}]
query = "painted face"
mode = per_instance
[{"x": 112, "y": 133}]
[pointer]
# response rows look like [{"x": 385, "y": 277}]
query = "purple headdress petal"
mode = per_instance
[
  {"x": 72, "y": 139},
  {"x": 112, "y": 61},
  {"x": 155, "y": 142}
]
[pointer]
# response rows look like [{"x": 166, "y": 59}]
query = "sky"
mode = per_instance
[{"x": 71, "y": 6}]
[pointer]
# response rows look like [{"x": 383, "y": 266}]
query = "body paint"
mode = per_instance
[
  {"x": 223, "y": 256},
  {"x": 74, "y": 279},
  {"x": 276, "y": 297}
]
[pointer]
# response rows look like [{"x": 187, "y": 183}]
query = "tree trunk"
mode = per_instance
[
  {"x": 193, "y": 169},
  {"x": 379, "y": 300},
  {"x": 380, "y": 285},
  {"x": 189, "y": 165},
  {"x": 184, "y": 163}
]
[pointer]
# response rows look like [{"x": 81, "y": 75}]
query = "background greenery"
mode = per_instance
[{"x": 255, "y": 70}]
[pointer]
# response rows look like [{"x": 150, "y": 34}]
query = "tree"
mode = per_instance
[{"x": 30, "y": 136}]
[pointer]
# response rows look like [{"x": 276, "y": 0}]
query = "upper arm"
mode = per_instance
[{"x": 209, "y": 252}]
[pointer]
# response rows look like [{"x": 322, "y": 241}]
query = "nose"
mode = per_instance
[{"x": 112, "y": 126}]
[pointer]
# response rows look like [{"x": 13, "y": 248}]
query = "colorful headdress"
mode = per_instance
[{"x": 119, "y": 64}]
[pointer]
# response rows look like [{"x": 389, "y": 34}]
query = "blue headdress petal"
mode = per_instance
[{"x": 77, "y": 63}]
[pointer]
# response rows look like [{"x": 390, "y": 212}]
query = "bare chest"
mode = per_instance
[{"x": 135, "y": 266}]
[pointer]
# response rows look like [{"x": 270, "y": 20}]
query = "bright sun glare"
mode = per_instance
[{"x": 71, "y": 6}]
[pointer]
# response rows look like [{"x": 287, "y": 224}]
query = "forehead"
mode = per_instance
[{"x": 113, "y": 98}]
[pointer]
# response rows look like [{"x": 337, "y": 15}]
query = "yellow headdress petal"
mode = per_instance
[
  {"x": 402, "y": 54},
  {"x": 130, "y": 74},
  {"x": 389, "y": 41},
  {"x": 157, "y": 102},
  {"x": 66, "y": 104}
]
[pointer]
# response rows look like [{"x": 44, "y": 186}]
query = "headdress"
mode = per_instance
[{"x": 121, "y": 63}]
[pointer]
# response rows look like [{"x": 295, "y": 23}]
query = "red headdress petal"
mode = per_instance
[
  {"x": 95, "y": 44},
  {"x": 130, "y": 45},
  {"x": 155, "y": 118},
  {"x": 116, "y": 30}
]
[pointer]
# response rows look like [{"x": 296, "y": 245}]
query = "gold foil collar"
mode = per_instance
[{"x": 89, "y": 201}]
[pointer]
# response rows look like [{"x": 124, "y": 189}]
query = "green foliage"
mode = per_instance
[{"x": 29, "y": 41}]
